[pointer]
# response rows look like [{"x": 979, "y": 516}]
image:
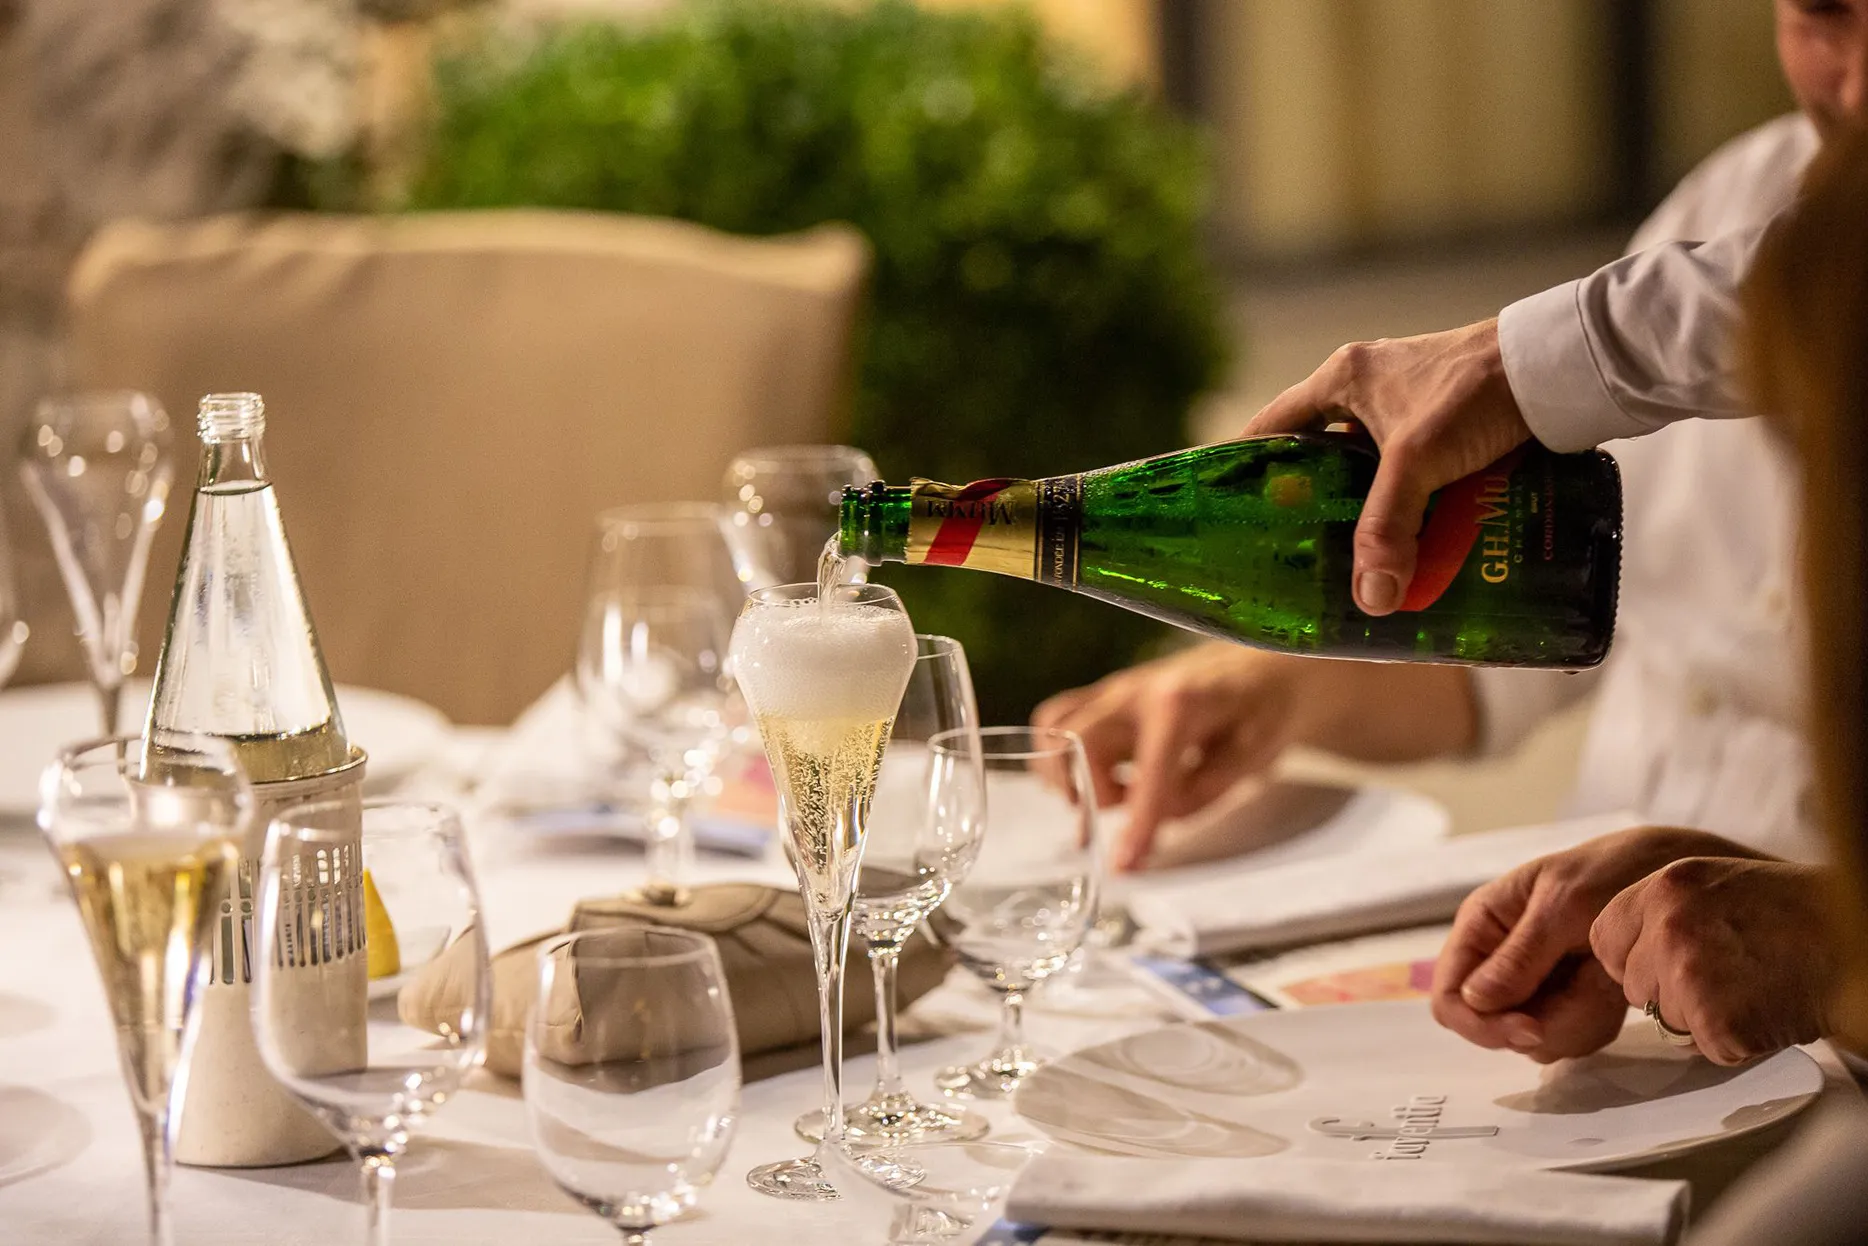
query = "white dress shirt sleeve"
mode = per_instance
[{"x": 1632, "y": 347}]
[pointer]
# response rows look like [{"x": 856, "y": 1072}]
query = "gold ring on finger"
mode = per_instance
[{"x": 1669, "y": 1035}]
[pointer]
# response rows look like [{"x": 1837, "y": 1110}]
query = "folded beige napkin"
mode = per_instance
[
  {"x": 1338, "y": 896},
  {"x": 1306, "y": 1200},
  {"x": 765, "y": 950}
]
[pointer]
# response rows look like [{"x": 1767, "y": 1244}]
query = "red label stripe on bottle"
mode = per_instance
[
  {"x": 959, "y": 528},
  {"x": 1460, "y": 511}
]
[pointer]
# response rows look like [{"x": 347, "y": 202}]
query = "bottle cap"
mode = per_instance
[{"x": 224, "y": 417}]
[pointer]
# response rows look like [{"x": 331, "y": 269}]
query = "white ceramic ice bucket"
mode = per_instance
[{"x": 233, "y": 1113}]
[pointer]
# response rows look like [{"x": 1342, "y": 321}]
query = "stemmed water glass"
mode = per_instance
[
  {"x": 148, "y": 841},
  {"x": 924, "y": 832},
  {"x": 651, "y": 666},
  {"x": 98, "y": 469},
  {"x": 783, "y": 502},
  {"x": 632, "y": 1071},
  {"x": 823, "y": 680},
  {"x": 336, "y": 878},
  {"x": 1030, "y": 899}
]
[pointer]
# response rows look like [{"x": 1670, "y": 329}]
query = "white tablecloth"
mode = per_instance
[
  {"x": 70, "y": 1164},
  {"x": 71, "y": 1168}
]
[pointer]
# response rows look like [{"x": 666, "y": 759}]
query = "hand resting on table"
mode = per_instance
[{"x": 1547, "y": 958}]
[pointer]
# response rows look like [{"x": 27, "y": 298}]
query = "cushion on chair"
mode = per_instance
[{"x": 450, "y": 399}]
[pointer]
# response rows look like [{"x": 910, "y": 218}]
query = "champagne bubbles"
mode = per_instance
[{"x": 844, "y": 661}]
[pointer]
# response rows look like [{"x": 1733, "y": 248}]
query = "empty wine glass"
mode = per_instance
[
  {"x": 97, "y": 467},
  {"x": 925, "y": 823},
  {"x": 784, "y": 503},
  {"x": 346, "y": 889},
  {"x": 1030, "y": 899},
  {"x": 651, "y": 667},
  {"x": 148, "y": 840},
  {"x": 932, "y": 1194},
  {"x": 632, "y": 1071}
]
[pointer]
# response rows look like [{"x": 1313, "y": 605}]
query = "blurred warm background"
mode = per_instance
[{"x": 1083, "y": 231}]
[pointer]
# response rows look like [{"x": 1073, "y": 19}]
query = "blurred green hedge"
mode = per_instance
[{"x": 1040, "y": 302}]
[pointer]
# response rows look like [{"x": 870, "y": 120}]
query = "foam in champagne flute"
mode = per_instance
[{"x": 845, "y": 661}]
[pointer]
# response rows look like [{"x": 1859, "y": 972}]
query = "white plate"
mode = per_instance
[
  {"x": 399, "y": 733},
  {"x": 42, "y": 1133},
  {"x": 1360, "y": 1082},
  {"x": 1277, "y": 823}
]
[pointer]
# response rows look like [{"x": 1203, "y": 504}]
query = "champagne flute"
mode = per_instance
[
  {"x": 347, "y": 892},
  {"x": 632, "y": 1071},
  {"x": 823, "y": 679},
  {"x": 917, "y": 848},
  {"x": 784, "y": 502},
  {"x": 148, "y": 839},
  {"x": 651, "y": 666},
  {"x": 1030, "y": 899},
  {"x": 97, "y": 467}
]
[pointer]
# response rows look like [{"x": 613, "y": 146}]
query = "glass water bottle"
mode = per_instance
[{"x": 240, "y": 658}]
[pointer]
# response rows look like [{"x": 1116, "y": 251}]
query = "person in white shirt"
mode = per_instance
[
  {"x": 1806, "y": 340},
  {"x": 1642, "y": 343},
  {"x": 1698, "y": 721}
]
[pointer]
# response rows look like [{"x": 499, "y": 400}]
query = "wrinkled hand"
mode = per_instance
[
  {"x": 1192, "y": 725},
  {"x": 1518, "y": 970},
  {"x": 1440, "y": 408},
  {"x": 1737, "y": 952}
]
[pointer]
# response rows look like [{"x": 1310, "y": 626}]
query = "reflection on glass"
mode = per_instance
[
  {"x": 97, "y": 467},
  {"x": 783, "y": 503},
  {"x": 931, "y": 1194},
  {"x": 632, "y": 1071},
  {"x": 1030, "y": 899},
  {"x": 349, "y": 893},
  {"x": 651, "y": 668}
]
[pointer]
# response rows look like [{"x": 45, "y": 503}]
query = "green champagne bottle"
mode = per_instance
[{"x": 1251, "y": 540}]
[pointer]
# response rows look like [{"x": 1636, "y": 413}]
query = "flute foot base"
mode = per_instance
[{"x": 800, "y": 1180}]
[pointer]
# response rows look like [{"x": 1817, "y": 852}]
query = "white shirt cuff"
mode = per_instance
[{"x": 1554, "y": 376}]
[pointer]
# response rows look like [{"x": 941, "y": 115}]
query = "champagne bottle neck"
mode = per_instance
[
  {"x": 874, "y": 522},
  {"x": 1023, "y": 528}
]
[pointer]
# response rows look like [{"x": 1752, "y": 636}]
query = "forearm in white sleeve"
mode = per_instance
[
  {"x": 1632, "y": 347},
  {"x": 1508, "y": 704}
]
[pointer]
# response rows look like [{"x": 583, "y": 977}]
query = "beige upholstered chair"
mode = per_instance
[{"x": 450, "y": 400}]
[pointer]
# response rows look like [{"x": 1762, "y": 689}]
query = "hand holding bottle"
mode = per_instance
[{"x": 1438, "y": 405}]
